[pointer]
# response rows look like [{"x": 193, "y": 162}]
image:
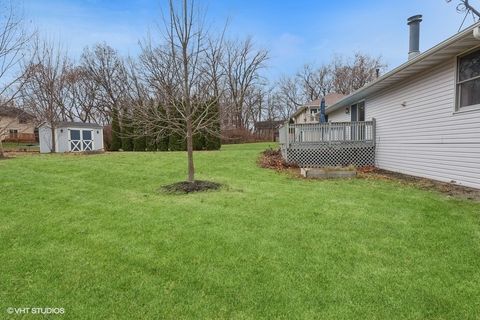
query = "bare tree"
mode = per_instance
[
  {"x": 106, "y": 69},
  {"x": 315, "y": 82},
  {"x": 308, "y": 84},
  {"x": 175, "y": 70},
  {"x": 289, "y": 94},
  {"x": 351, "y": 75},
  {"x": 242, "y": 69},
  {"x": 83, "y": 97},
  {"x": 311, "y": 83},
  {"x": 13, "y": 41},
  {"x": 44, "y": 92}
]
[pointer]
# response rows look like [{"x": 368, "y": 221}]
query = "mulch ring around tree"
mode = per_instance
[{"x": 185, "y": 187}]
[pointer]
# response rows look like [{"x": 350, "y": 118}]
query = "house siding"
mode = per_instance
[
  {"x": 25, "y": 130},
  {"x": 426, "y": 137},
  {"x": 338, "y": 116}
]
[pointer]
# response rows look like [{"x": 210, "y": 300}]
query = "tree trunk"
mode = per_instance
[
  {"x": 52, "y": 147},
  {"x": 191, "y": 168},
  {"x": 2, "y": 153}
]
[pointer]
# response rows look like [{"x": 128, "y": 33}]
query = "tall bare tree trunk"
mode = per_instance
[
  {"x": 191, "y": 168},
  {"x": 52, "y": 148}
]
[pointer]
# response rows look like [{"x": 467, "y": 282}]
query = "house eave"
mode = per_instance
[{"x": 445, "y": 50}]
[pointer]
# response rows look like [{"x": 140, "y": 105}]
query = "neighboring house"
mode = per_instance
[
  {"x": 16, "y": 125},
  {"x": 310, "y": 112},
  {"x": 268, "y": 129},
  {"x": 71, "y": 137},
  {"x": 427, "y": 111}
]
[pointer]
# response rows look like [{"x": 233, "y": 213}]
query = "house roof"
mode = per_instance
[
  {"x": 451, "y": 47},
  {"x": 66, "y": 124},
  {"x": 330, "y": 99},
  {"x": 269, "y": 124},
  {"x": 13, "y": 112}
]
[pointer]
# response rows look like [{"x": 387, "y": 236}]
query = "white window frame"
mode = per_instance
[{"x": 458, "y": 83}]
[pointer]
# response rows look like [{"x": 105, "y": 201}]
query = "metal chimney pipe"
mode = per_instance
[{"x": 414, "y": 23}]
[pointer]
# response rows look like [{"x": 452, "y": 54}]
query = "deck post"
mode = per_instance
[
  {"x": 329, "y": 133},
  {"x": 287, "y": 142},
  {"x": 374, "y": 131}
]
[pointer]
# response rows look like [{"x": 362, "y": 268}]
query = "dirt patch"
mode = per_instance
[
  {"x": 185, "y": 187},
  {"x": 422, "y": 183},
  {"x": 272, "y": 159}
]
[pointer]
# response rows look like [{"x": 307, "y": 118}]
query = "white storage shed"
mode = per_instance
[{"x": 71, "y": 137}]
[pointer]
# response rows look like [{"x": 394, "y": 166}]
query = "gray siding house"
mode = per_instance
[
  {"x": 427, "y": 112},
  {"x": 71, "y": 137}
]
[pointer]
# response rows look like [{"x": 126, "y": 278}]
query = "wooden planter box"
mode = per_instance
[{"x": 328, "y": 173}]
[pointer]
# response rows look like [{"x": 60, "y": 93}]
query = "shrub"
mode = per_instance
[
  {"x": 233, "y": 136},
  {"x": 140, "y": 144},
  {"x": 163, "y": 143},
  {"x": 176, "y": 143},
  {"x": 116, "y": 132},
  {"x": 127, "y": 132},
  {"x": 150, "y": 144},
  {"x": 198, "y": 142}
]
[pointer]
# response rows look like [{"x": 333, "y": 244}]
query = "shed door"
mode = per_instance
[
  {"x": 75, "y": 141},
  {"x": 81, "y": 140},
  {"x": 87, "y": 140}
]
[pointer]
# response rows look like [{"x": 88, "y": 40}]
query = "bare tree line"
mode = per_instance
[
  {"x": 102, "y": 80},
  {"x": 341, "y": 75},
  {"x": 183, "y": 78}
]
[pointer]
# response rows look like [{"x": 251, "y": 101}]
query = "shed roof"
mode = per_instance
[
  {"x": 447, "y": 49},
  {"x": 67, "y": 124}
]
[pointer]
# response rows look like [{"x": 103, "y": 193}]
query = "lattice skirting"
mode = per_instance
[{"x": 330, "y": 156}]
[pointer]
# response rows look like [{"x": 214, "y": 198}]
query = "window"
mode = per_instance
[
  {"x": 13, "y": 133},
  {"x": 87, "y": 135},
  {"x": 357, "y": 112},
  {"x": 74, "y": 134},
  {"x": 468, "y": 80},
  {"x": 313, "y": 112}
]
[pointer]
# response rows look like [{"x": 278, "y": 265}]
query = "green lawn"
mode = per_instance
[
  {"x": 91, "y": 234},
  {"x": 20, "y": 146}
]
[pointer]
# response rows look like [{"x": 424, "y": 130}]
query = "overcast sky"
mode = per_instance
[{"x": 295, "y": 31}]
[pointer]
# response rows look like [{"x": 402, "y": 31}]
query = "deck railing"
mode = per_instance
[
  {"x": 329, "y": 144},
  {"x": 328, "y": 133}
]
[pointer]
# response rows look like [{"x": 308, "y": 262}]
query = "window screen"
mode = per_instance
[{"x": 468, "y": 80}]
